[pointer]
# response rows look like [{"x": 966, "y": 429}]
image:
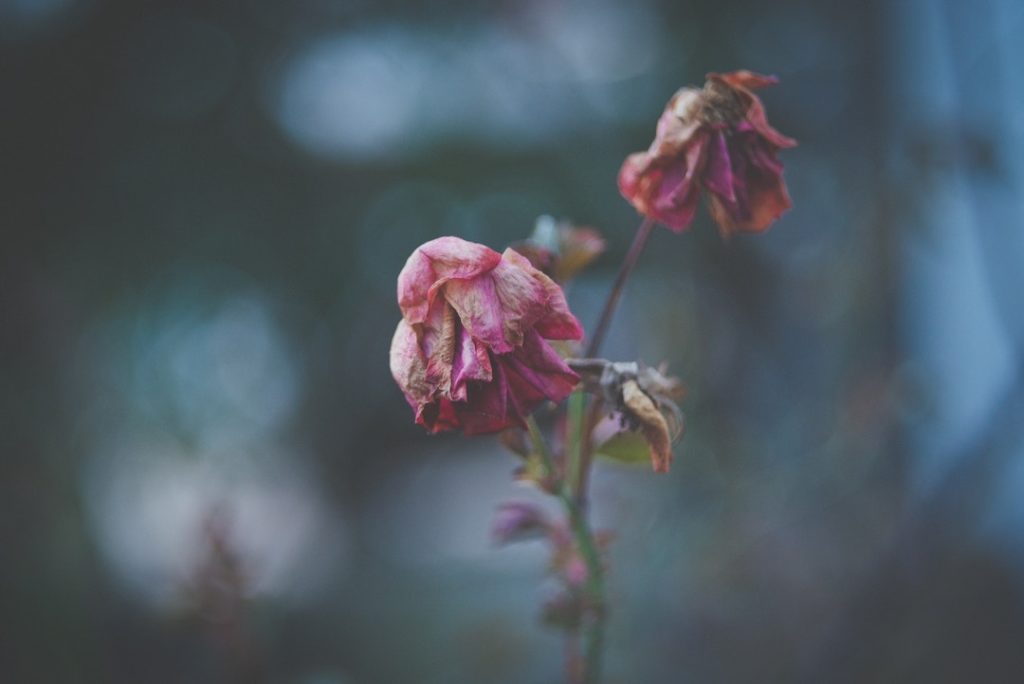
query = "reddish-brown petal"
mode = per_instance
[
  {"x": 744, "y": 79},
  {"x": 471, "y": 362},
  {"x": 767, "y": 199},
  {"x": 718, "y": 174},
  {"x": 438, "y": 416},
  {"x": 631, "y": 177},
  {"x": 487, "y": 408},
  {"x": 744, "y": 82},
  {"x": 674, "y": 192},
  {"x": 543, "y": 372},
  {"x": 521, "y": 381}
]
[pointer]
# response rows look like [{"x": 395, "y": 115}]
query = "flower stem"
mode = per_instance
[
  {"x": 572, "y": 490},
  {"x": 593, "y": 634},
  {"x": 541, "y": 446},
  {"x": 643, "y": 233},
  {"x": 575, "y": 509},
  {"x": 574, "y": 444}
]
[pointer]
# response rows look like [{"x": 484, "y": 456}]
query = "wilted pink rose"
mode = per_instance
[
  {"x": 715, "y": 139},
  {"x": 472, "y": 348}
]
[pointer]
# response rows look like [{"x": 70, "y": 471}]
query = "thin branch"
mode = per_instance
[{"x": 643, "y": 233}]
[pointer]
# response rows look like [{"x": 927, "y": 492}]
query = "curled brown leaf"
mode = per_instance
[{"x": 651, "y": 422}]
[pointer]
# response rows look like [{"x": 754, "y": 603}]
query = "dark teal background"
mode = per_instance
[{"x": 204, "y": 209}]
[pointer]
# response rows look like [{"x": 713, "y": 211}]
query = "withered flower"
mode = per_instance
[
  {"x": 643, "y": 396},
  {"x": 715, "y": 139},
  {"x": 472, "y": 349}
]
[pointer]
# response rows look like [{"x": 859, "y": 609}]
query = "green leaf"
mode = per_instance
[{"x": 626, "y": 447}]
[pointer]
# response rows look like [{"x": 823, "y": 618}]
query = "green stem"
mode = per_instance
[
  {"x": 541, "y": 447},
  {"x": 594, "y": 589},
  {"x": 574, "y": 462},
  {"x": 574, "y": 497},
  {"x": 576, "y": 511},
  {"x": 579, "y": 457}
]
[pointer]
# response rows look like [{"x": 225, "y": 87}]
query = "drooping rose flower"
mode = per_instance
[
  {"x": 716, "y": 139},
  {"x": 472, "y": 348}
]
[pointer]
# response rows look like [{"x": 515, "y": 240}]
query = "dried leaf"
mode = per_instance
[{"x": 652, "y": 424}]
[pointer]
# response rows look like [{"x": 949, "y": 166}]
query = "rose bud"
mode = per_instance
[
  {"x": 716, "y": 139},
  {"x": 518, "y": 521},
  {"x": 472, "y": 349},
  {"x": 561, "y": 249}
]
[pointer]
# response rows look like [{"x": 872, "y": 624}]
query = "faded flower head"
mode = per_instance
[
  {"x": 472, "y": 350},
  {"x": 715, "y": 139},
  {"x": 645, "y": 399}
]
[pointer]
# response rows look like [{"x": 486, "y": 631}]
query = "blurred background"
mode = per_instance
[{"x": 207, "y": 473}]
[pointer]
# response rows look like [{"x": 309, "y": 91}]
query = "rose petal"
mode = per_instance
[
  {"x": 539, "y": 371},
  {"x": 764, "y": 197},
  {"x": 556, "y": 322},
  {"x": 487, "y": 407},
  {"x": 434, "y": 264},
  {"x": 408, "y": 366},
  {"x": 480, "y": 310},
  {"x": 744, "y": 82},
  {"x": 471, "y": 362},
  {"x": 671, "y": 195},
  {"x": 718, "y": 176}
]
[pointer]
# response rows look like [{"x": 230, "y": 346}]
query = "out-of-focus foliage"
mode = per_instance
[{"x": 207, "y": 473}]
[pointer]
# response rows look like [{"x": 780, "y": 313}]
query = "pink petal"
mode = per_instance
[
  {"x": 718, "y": 175},
  {"x": 435, "y": 263},
  {"x": 487, "y": 408},
  {"x": 536, "y": 372},
  {"x": 480, "y": 310},
  {"x": 498, "y": 308},
  {"x": 439, "y": 416},
  {"x": 675, "y": 194},
  {"x": 471, "y": 362},
  {"x": 630, "y": 176},
  {"x": 556, "y": 321},
  {"x": 760, "y": 189},
  {"x": 744, "y": 82}
]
